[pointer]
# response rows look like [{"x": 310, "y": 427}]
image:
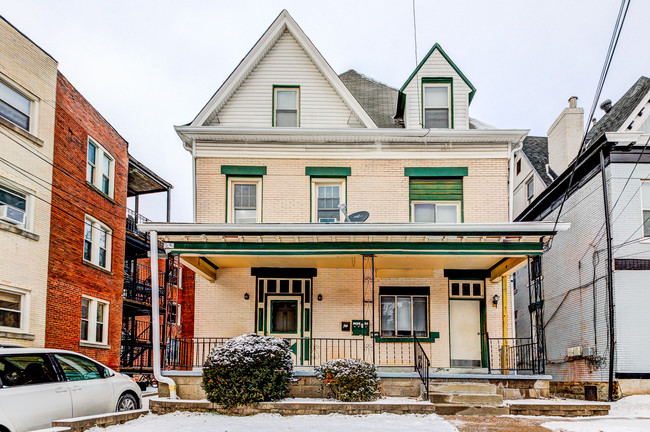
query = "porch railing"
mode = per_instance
[
  {"x": 511, "y": 355},
  {"x": 189, "y": 353},
  {"x": 422, "y": 365}
]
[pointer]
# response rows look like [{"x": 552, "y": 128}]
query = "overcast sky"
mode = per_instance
[{"x": 149, "y": 65}]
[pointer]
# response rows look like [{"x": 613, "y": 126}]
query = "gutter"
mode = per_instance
[{"x": 155, "y": 316}]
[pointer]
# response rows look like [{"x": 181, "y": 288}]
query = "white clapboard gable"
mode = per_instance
[
  {"x": 436, "y": 64},
  {"x": 283, "y": 56}
]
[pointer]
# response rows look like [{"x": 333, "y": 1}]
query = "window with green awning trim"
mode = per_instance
[{"x": 436, "y": 200}]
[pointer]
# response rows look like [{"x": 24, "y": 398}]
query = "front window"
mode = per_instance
[
  {"x": 328, "y": 194},
  {"x": 12, "y": 304},
  {"x": 436, "y": 106},
  {"x": 645, "y": 201},
  {"x": 404, "y": 315},
  {"x": 14, "y": 106},
  {"x": 13, "y": 206},
  {"x": 286, "y": 109},
  {"x": 94, "y": 321},
  {"x": 244, "y": 200},
  {"x": 100, "y": 168},
  {"x": 97, "y": 243},
  {"x": 530, "y": 190},
  {"x": 435, "y": 212}
]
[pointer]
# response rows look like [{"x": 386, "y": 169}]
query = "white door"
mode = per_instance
[
  {"x": 465, "y": 333},
  {"x": 91, "y": 392},
  {"x": 31, "y": 395},
  {"x": 284, "y": 319}
]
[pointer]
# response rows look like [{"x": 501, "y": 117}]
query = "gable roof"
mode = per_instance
[
  {"x": 284, "y": 22},
  {"x": 377, "y": 99},
  {"x": 536, "y": 150},
  {"x": 435, "y": 47},
  {"x": 613, "y": 120}
]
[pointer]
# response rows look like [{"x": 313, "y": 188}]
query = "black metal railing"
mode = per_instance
[
  {"x": 422, "y": 365},
  {"x": 512, "y": 355},
  {"x": 132, "y": 221},
  {"x": 137, "y": 283},
  {"x": 189, "y": 353}
]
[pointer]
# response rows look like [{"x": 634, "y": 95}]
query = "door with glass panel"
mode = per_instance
[
  {"x": 283, "y": 320},
  {"x": 466, "y": 299}
]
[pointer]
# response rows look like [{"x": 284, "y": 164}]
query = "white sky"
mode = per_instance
[{"x": 149, "y": 65}]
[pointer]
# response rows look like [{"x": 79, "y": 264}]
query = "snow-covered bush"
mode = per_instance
[
  {"x": 248, "y": 369},
  {"x": 349, "y": 380}
]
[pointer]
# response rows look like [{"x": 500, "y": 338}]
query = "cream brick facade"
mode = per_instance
[{"x": 26, "y": 167}]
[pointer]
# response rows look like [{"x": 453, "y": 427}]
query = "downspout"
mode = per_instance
[
  {"x": 155, "y": 316},
  {"x": 511, "y": 182},
  {"x": 193, "y": 181}
]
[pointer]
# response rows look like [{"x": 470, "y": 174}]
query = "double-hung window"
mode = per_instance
[
  {"x": 404, "y": 312},
  {"x": 13, "y": 309},
  {"x": 15, "y": 107},
  {"x": 645, "y": 202},
  {"x": 97, "y": 243},
  {"x": 94, "y": 320},
  {"x": 530, "y": 190},
  {"x": 436, "y": 97},
  {"x": 13, "y": 206},
  {"x": 245, "y": 200},
  {"x": 327, "y": 195},
  {"x": 286, "y": 106},
  {"x": 100, "y": 168}
]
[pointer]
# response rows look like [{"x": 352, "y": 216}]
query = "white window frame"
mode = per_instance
[
  {"x": 92, "y": 321},
  {"x": 416, "y": 202},
  {"x": 460, "y": 292},
  {"x": 645, "y": 206},
  {"x": 232, "y": 181},
  {"x": 33, "y": 105},
  {"x": 448, "y": 107},
  {"x": 29, "y": 203},
  {"x": 25, "y": 299},
  {"x": 530, "y": 197},
  {"x": 178, "y": 313},
  {"x": 96, "y": 178},
  {"x": 96, "y": 225},
  {"x": 428, "y": 314},
  {"x": 276, "y": 89},
  {"x": 315, "y": 183}
]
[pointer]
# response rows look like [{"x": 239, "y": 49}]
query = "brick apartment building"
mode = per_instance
[{"x": 85, "y": 277}]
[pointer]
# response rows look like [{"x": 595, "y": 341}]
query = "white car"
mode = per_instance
[{"x": 38, "y": 386}]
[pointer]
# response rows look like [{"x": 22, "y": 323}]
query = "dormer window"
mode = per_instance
[
  {"x": 286, "y": 102},
  {"x": 436, "y": 98}
]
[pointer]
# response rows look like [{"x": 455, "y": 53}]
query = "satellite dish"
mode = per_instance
[{"x": 358, "y": 217}]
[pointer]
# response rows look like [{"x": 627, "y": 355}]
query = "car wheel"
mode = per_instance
[{"x": 127, "y": 402}]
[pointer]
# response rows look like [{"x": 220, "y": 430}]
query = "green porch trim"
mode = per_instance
[
  {"x": 436, "y": 171},
  {"x": 357, "y": 247},
  {"x": 432, "y": 338},
  {"x": 242, "y": 170},
  {"x": 451, "y": 63},
  {"x": 330, "y": 172}
]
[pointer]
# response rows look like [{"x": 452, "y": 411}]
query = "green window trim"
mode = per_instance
[
  {"x": 328, "y": 172},
  {"x": 436, "y": 171},
  {"x": 243, "y": 170},
  {"x": 447, "y": 81},
  {"x": 288, "y": 87}
]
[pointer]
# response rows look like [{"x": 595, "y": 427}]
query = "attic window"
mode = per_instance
[
  {"x": 436, "y": 104},
  {"x": 286, "y": 106}
]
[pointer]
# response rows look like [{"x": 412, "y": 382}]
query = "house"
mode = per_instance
[
  {"x": 289, "y": 158},
  {"x": 580, "y": 319},
  {"x": 28, "y": 81}
]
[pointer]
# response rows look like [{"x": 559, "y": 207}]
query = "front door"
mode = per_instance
[
  {"x": 283, "y": 320},
  {"x": 465, "y": 329}
]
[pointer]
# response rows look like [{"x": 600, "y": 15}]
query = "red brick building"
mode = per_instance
[{"x": 87, "y": 241}]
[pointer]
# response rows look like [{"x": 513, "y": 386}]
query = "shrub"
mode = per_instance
[
  {"x": 349, "y": 380},
  {"x": 248, "y": 369}
]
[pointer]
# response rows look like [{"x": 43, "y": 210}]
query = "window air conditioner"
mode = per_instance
[{"x": 12, "y": 215}]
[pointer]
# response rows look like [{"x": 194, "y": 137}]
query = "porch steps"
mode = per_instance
[{"x": 463, "y": 393}]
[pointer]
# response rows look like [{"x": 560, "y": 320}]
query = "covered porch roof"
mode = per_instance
[{"x": 405, "y": 249}]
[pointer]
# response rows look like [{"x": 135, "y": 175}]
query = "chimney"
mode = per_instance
[
  {"x": 606, "y": 105},
  {"x": 565, "y": 136}
]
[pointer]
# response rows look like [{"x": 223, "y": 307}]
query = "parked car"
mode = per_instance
[{"x": 38, "y": 386}]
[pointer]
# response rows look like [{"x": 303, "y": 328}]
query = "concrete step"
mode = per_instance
[
  {"x": 471, "y": 409},
  {"x": 462, "y": 387},
  {"x": 465, "y": 398}
]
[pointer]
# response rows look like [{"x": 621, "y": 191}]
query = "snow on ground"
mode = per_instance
[
  {"x": 195, "y": 422},
  {"x": 386, "y": 400}
]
